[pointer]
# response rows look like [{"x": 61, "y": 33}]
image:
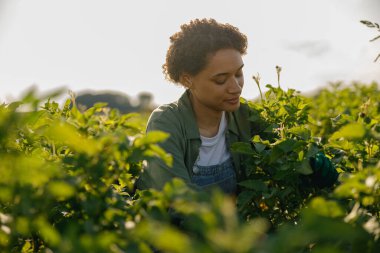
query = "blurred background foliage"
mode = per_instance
[{"x": 116, "y": 100}]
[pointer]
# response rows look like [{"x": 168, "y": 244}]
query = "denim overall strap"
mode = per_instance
[{"x": 222, "y": 176}]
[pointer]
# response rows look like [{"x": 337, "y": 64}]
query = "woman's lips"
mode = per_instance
[{"x": 233, "y": 100}]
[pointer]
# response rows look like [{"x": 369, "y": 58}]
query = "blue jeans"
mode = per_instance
[{"x": 222, "y": 176}]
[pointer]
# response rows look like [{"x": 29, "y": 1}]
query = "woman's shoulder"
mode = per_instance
[
  {"x": 165, "y": 112},
  {"x": 170, "y": 117},
  {"x": 177, "y": 111}
]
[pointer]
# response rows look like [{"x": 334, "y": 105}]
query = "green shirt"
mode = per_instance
[{"x": 179, "y": 121}]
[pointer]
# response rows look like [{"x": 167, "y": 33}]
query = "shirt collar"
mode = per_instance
[
  {"x": 232, "y": 126},
  {"x": 188, "y": 115}
]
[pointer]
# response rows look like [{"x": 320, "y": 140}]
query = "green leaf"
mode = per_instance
[
  {"x": 27, "y": 247},
  {"x": 257, "y": 185},
  {"x": 152, "y": 137},
  {"x": 288, "y": 145},
  {"x": 327, "y": 208},
  {"x": 351, "y": 131},
  {"x": 14, "y": 105},
  {"x": 48, "y": 232},
  {"x": 257, "y": 139},
  {"x": 300, "y": 131},
  {"x": 157, "y": 151},
  {"x": 242, "y": 148},
  {"x": 275, "y": 154},
  {"x": 61, "y": 190},
  {"x": 281, "y": 148},
  {"x": 163, "y": 237},
  {"x": 259, "y": 147},
  {"x": 75, "y": 113},
  {"x": 270, "y": 128},
  {"x": 312, "y": 150},
  {"x": 301, "y": 155},
  {"x": 305, "y": 168},
  {"x": 368, "y": 201},
  {"x": 69, "y": 135},
  {"x": 244, "y": 199}
]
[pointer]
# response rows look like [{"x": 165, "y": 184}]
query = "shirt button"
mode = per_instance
[{"x": 195, "y": 169}]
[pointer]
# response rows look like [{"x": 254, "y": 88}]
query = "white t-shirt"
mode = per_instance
[{"x": 213, "y": 151}]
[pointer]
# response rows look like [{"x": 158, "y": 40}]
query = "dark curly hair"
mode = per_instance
[{"x": 190, "y": 48}]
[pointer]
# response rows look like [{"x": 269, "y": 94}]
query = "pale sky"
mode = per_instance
[{"x": 120, "y": 45}]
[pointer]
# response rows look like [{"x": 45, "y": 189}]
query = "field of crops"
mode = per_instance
[{"x": 67, "y": 180}]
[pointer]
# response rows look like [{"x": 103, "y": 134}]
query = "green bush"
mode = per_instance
[{"x": 67, "y": 180}]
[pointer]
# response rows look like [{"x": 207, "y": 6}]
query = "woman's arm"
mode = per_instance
[{"x": 157, "y": 173}]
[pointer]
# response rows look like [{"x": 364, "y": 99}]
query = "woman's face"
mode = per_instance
[{"x": 219, "y": 85}]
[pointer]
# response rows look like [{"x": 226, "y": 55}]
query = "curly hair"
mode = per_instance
[{"x": 191, "y": 47}]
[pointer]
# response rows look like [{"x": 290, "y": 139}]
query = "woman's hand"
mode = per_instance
[{"x": 325, "y": 174}]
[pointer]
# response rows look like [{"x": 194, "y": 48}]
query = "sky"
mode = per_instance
[{"x": 120, "y": 45}]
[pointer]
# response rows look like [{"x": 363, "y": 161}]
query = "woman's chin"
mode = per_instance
[{"x": 232, "y": 107}]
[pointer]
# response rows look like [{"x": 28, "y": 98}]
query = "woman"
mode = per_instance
[{"x": 205, "y": 57}]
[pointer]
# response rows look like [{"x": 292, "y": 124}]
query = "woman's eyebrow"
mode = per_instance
[{"x": 226, "y": 73}]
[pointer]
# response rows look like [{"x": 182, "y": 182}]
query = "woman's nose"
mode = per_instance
[{"x": 236, "y": 85}]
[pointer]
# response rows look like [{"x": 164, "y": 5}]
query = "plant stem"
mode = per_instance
[{"x": 257, "y": 81}]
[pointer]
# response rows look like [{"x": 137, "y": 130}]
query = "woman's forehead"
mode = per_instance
[{"x": 224, "y": 61}]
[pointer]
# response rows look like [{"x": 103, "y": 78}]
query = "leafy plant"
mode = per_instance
[
  {"x": 277, "y": 186},
  {"x": 67, "y": 180}
]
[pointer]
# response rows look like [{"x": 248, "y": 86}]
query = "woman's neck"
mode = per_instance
[{"x": 208, "y": 119}]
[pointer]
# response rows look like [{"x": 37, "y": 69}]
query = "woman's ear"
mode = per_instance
[{"x": 186, "y": 80}]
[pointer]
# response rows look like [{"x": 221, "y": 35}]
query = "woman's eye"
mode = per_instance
[{"x": 222, "y": 81}]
